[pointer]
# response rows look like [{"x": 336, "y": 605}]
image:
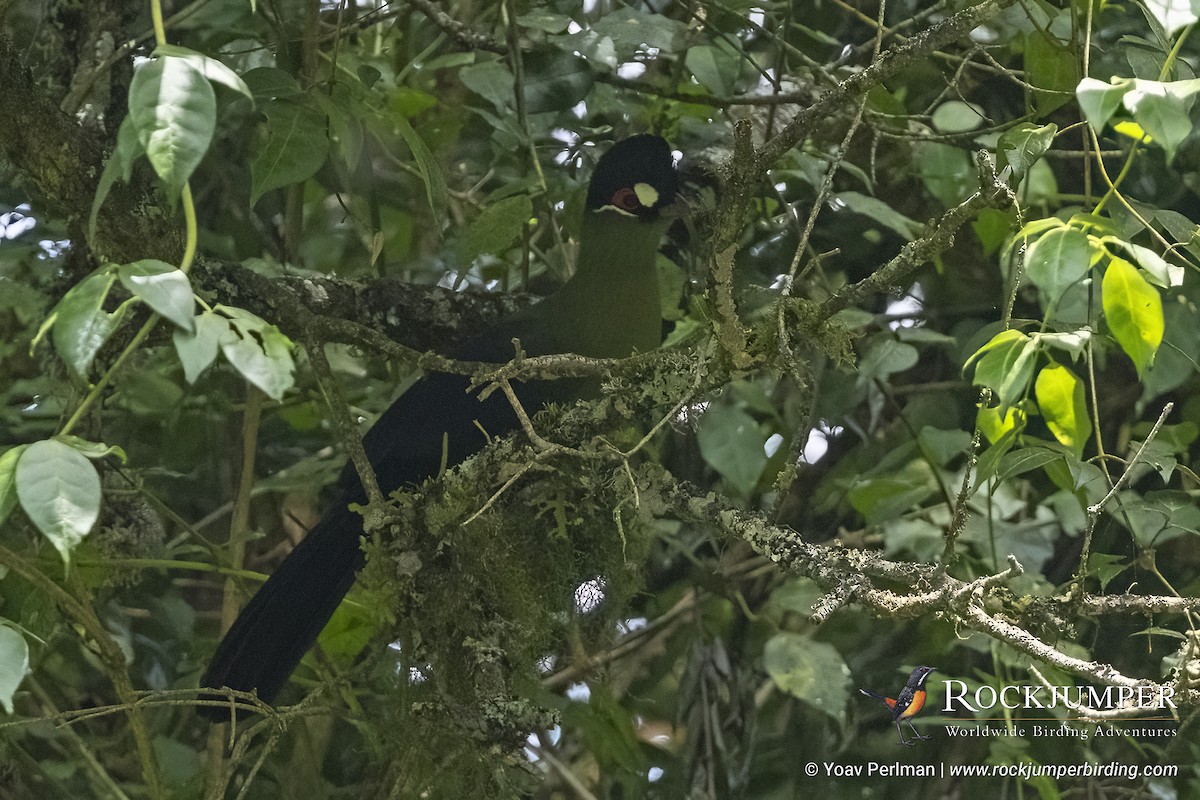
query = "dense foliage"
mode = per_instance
[{"x": 928, "y": 394}]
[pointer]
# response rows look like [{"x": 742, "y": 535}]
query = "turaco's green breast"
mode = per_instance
[{"x": 610, "y": 307}]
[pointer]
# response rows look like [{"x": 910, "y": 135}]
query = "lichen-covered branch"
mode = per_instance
[{"x": 848, "y": 576}]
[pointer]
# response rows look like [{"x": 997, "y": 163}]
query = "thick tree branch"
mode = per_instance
[
  {"x": 61, "y": 163},
  {"x": 849, "y": 576}
]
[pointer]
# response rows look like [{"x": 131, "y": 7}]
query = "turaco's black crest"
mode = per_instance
[{"x": 635, "y": 177}]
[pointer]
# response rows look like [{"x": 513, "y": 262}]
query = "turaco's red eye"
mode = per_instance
[{"x": 626, "y": 199}]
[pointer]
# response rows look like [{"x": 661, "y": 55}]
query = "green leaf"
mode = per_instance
[
  {"x": 631, "y": 29},
  {"x": 544, "y": 20},
  {"x": 810, "y": 670},
  {"x": 497, "y": 227},
  {"x": 989, "y": 460},
  {"x": 886, "y": 357},
  {"x": 555, "y": 80},
  {"x": 1155, "y": 456},
  {"x": 60, "y": 492},
  {"x": 995, "y": 425},
  {"x": 1052, "y": 69},
  {"x": 493, "y": 81},
  {"x": 14, "y": 664},
  {"x": 1104, "y": 567},
  {"x": 797, "y": 595},
  {"x": 295, "y": 147},
  {"x": 93, "y": 450},
  {"x": 345, "y": 115},
  {"x": 436, "y": 192},
  {"x": 1060, "y": 398},
  {"x": 731, "y": 443},
  {"x": 879, "y": 212},
  {"x": 1056, "y": 260},
  {"x": 148, "y": 393},
  {"x": 1006, "y": 365},
  {"x": 259, "y": 351},
  {"x": 267, "y": 83},
  {"x": 608, "y": 730},
  {"x": 1158, "y": 269},
  {"x": 956, "y": 116},
  {"x": 213, "y": 70},
  {"x": 715, "y": 67},
  {"x": 174, "y": 111},
  {"x": 885, "y": 497},
  {"x": 1100, "y": 100},
  {"x": 81, "y": 325},
  {"x": 8, "y": 479},
  {"x": 1134, "y": 312},
  {"x": 1021, "y": 146},
  {"x": 1172, "y": 14},
  {"x": 162, "y": 287},
  {"x": 943, "y": 445},
  {"x": 1027, "y": 459},
  {"x": 197, "y": 350},
  {"x": 1163, "y": 111},
  {"x": 946, "y": 172}
]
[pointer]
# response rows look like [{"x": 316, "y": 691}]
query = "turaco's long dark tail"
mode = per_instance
[{"x": 283, "y": 619}]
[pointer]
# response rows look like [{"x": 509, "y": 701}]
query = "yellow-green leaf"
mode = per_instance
[
  {"x": 1060, "y": 397},
  {"x": 1134, "y": 312},
  {"x": 993, "y": 423}
]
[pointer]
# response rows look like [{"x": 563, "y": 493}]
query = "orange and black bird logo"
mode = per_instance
[{"x": 908, "y": 703}]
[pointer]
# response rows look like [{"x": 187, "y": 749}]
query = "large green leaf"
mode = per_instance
[
  {"x": 295, "y": 147},
  {"x": 1056, "y": 260},
  {"x": 431, "y": 171},
  {"x": 14, "y": 664},
  {"x": 810, "y": 670},
  {"x": 1052, "y": 70},
  {"x": 1133, "y": 309},
  {"x": 631, "y": 29},
  {"x": 212, "y": 69},
  {"x": 731, "y": 443},
  {"x": 497, "y": 227},
  {"x": 174, "y": 111},
  {"x": 60, "y": 492},
  {"x": 259, "y": 351},
  {"x": 880, "y": 213},
  {"x": 1099, "y": 100},
  {"x": 198, "y": 349},
  {"x": 1163, "y": 110},
  {"x": 266, "y": 83},
  {"x": 885, "y": 357},
  {"x": 1172, "y": 14},
  {"x": 883, "y": 497},
  {"x": 161, "y": 286},
  {"x": 1027, "y": 459},
  {"x": 492, "y": 80},
  {"x": 8, "y": 479},
  {"x": 956, "y": 116},
  {"x": 555, "y": 80},
  {"x": 1021, "y": 146},
  {"x": 81, "y": 325},
  {"x": 1006, "y": 365},
  {"x": 946, "y": 172}
]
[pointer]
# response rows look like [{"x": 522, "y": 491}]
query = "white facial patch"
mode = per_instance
[{"x": 647, "y": 195}]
